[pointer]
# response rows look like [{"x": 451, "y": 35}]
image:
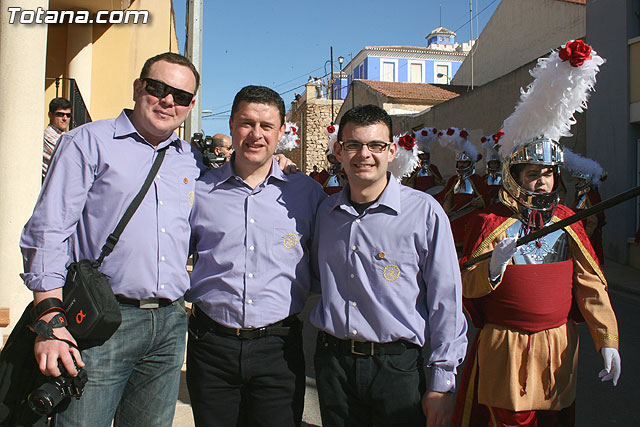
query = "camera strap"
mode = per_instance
[{"x": 133, "y": 206}]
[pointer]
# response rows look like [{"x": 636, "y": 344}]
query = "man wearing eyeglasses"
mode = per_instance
[
  {"x": 59, "y": 118},
  {"x": 96, "y": 171},
  {"x": 390, "y": 282}
]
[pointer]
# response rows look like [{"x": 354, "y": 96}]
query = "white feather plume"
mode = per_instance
[
  {"x": 458, "y": 141},
  {"x": 577, "y": 163},
  {"x": 548, "y": 104},
  {"x": 490, "y": 152},
  {"x": 405, "y": 161},
  {"x": 332, "y": 137},
  {"x": 425, "y": 137},
  {"x": 290, "y": 138}
]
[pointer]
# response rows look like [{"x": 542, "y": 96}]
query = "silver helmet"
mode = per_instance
[
  {"x": 540, "y": 151},
  {"x": 466, "y": 171}
]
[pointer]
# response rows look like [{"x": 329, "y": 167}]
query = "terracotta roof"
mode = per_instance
[{"x": 418, "y": 91}]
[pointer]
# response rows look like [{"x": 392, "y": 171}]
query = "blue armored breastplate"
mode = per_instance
[
  {"x": 494, "y": 179},
  {"x": 550, "y": 248},
  {"x": 424, "y": 171}
]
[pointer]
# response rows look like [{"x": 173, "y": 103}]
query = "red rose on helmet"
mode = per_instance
[
  {"x": 294, "y": 130},
  {"x": 496, "y": 136},
  {"x": 331, "y": 129},
  {"x": 576, "y": 52},
  {"x": 424, "y": 133},
  {"x": 407, "y": 142},
  {"x": 464, "y": 133},
  {"x": 451, "y": 131}
]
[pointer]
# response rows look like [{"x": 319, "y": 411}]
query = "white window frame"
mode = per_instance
[
  {"x": 395, "y": 68},
  {"x": 435, "y": 71},
  {"x": 422, "y": 67}
]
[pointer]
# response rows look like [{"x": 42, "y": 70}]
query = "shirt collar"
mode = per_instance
[
  {"x": 227, "y": 172},
  {"x": 124, "y": 127},
  {"x": 390, "y": 196}
]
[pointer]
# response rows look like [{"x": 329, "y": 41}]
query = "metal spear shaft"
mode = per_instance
[{"x": 605, "y": 204}]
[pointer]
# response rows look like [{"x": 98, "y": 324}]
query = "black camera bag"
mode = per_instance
[{"x": 93, "y": 313}]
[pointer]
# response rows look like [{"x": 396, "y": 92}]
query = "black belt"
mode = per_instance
[
  {"x": 366, "y": 348},
  {"x": 279, "y": 329},
  {"x": 145, "y": 303}
]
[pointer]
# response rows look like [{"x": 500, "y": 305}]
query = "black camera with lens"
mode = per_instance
[
  {"x": 45, "y": 398},
  {"x": 205, "y": 145}
]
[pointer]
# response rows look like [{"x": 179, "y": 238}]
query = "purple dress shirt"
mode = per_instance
[
  {"x": 96, "y": 171},
  {"x": 391, "y": 274},
  {"x": 252, "y": 246}
]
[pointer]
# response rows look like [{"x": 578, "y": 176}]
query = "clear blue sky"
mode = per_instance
[{"x": 280, "y": 43}]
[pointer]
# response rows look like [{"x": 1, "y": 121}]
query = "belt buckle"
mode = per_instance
[
  {"x": 238, "y": 330},
  {"x": 150, "y": 303},
  {"x": 357, "y": 353}
]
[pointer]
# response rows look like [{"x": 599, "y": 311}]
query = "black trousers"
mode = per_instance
[
  {"x": 236, "y": 382},
  {"x": 380, "y": 390}
]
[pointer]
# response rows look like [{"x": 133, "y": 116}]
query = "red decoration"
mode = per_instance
[
  {"x": 425, "y": 132},
  {"x": 479, "y": 157},
  {"x": 450, "y": 131},
  {"x": 576, "y": 52},
  {"x": 483, "y": 139},
  {"x": 331, "y": 128},
  {"x": 440, "y": 133},
  {"x": 464, "y": 134},
  {"x": 407, "y": 142},
  {"x": 435, "y": 131},
  {"x": 294, "y": 130},
  {"x": 496, "y": 136}
]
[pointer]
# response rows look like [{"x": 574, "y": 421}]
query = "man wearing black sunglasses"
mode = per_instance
[
  {"x": 59, "y": 118},
  {"x": 95, "y": 172}
]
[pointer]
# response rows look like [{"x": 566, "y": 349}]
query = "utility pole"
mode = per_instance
[
  {"x": 331, "y": 74},
  {"x": 471, "y": 41},
  {"x": 193, "y": 49}
]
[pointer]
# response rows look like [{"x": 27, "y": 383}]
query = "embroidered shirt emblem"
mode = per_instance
[
  {"x": 290, "y": 240},
  {"x": 391, "y": 272}
]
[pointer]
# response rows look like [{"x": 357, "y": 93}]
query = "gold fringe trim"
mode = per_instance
[
  {"x": 482, "y": 247},
  {"x": 592, "y": 262}
]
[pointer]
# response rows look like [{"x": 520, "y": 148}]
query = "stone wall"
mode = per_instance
[{"x": 312, "y": 115}]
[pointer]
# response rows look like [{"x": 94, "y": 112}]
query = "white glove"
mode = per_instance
[
  {"x": 502, "y": 253},
  {"x": 612, "y": 365}
]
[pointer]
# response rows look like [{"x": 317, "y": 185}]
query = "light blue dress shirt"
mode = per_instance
[
  {"x": 96, "y": 171},
  {"x": 252, "y": 246},
  {"x": 391, "y": 274}
]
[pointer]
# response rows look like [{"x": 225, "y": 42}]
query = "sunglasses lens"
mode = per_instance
[
  {"x": 161, "y": 90},
  {"x": 59, "y": 114}
]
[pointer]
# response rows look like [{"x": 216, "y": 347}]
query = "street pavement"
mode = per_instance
[{"x": 597, "y": 404}]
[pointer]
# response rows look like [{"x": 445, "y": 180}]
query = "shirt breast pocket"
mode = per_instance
[
  {"x": 287, "y": 244},
  {"x": 394, "y": 272}
]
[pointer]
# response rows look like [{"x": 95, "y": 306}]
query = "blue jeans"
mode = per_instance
[{"x": 135, "y": 375}]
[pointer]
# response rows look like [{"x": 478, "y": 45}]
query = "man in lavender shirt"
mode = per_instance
[
  {"x": 390, "y": 282},
  {"x": 95, "y": 172},
  {"x": 251, "y": 231}
]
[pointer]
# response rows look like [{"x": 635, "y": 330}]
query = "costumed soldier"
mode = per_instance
[
  {"x": 333, "y": 179},
  {"x": 465, "y": 192},
  {"x": 493, "y": 177},
  {"x": 521, "y": 370},
  {"x": 590, "y": 175},
  {"x": 427, "y": 176}
]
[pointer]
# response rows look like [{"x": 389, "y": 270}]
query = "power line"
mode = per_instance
[{"x": 476, "y": 15}]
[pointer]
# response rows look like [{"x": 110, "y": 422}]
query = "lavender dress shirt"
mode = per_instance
[
  {"x": 252, "y": 246},
  {"x": 391, "y": 274},
  {"x": 95, "y": 172}
]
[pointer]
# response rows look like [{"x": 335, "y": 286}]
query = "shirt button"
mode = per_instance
[
  {"x": 358, "y": 220},
  {"x": 354, "y": 332},
  {"x": 162, "y": 258},
  {"x": 252, "y": 220},
  {"x": 448, "y": 382},
  {"x": 353, "y": 247},
  {"x": 352, "y": 275},
  {"x": 355, "y": 304},
  {"x": 250, "y": 301},
  {"x": 251, "y": 248},
  {"x": 162, "y": 229},
  {"x": 252, "y": 195},
  {"x": 157, "y": 176},
  {"x": 161, "y": 286},
  {"x": 161, "y": 203},
  {"x": 250, "y": 274}
]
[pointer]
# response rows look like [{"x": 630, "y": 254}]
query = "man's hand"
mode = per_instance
[
  {"x": 437, "y": 407},
  {"x": 48, "y": 351},
  {"x": 287, "y": 166},
  {"x": 477, "y": 202},
  {"x": 612, "y": 365}
]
